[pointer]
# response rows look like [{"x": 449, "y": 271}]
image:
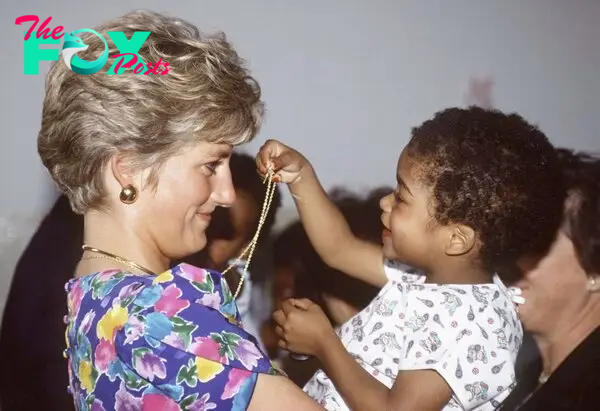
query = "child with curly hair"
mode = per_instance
[{"x": 477, "y": 190}]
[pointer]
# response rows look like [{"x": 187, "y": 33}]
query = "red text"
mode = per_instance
[
  {"x": 56, "y": 33},
  {"x": 139, "y": 67}
]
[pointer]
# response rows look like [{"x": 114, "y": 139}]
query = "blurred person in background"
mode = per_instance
[
  {"x": 561, "y": 306},
  {"x": 33, "y": 361}
]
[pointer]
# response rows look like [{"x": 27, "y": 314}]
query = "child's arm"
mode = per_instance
[
  {"x": 325, "y": 225},
  {"x": 413, "y": 390},
  {"x": 304, "y": 329}
]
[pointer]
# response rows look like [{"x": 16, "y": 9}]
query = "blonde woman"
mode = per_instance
[{"x": 145, "y": 159}]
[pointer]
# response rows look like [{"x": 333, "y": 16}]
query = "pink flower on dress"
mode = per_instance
[
  {"x": 106, "y": 275},
  {"x": 210, "y": 300},
  {"x": 76, "y": 297},
  {"x": 195, "y": 274},
  {"x": 97, "y": 406},
  {"x": 206, "y": 347},
  {"x": 236, "y": 379},
  {"x": 124, "y": 401},
  {"x": 247, "y": 353},
  {"x": 155, "y": 402},
  {"x": 129, "y": 291},
  {"x": 149, "y": 366},
  {"x": 174, "y": 341},
  {"x": 202, "y": 404},
  {"x": 104, "y": 356},
  {"x": 169, "y": 303}
]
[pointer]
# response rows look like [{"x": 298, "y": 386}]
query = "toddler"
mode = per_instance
[{"x": 476, "y": 191}]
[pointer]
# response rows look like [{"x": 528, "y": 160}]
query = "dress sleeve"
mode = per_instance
[
  {"x": 182, "y": 344},
  {"x": 465, "y": 354}
]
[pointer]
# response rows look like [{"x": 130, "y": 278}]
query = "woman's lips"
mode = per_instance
[{"x": 204, "y": 216}]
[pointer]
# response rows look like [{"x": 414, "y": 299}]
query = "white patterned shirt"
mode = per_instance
[{"x": 469, "y": 334}]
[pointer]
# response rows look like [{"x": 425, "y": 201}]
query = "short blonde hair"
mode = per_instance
[{"x": 207, "y": 95}]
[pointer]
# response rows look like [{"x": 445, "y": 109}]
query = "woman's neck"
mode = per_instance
[
  {"x": 107, "y": 233},
  {"x": 565, "y": 335}
]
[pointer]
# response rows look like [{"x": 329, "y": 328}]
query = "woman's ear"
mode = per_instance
[
  {"x": 461, "y": 241},
  {"x": 594, "y": 283},
  {"x": 121, "y": 170}
]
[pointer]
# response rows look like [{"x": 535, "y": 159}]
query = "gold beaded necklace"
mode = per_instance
[{"x": 246, "y": 254}]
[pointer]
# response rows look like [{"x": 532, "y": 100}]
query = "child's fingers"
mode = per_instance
[
  {"x": 302, "y": 303},
  {"x": 267, "y": 155},
  {"x": 288, "y": 306},
  {"x": 279, "y": 317},
  {"x": 260, "y": 165},
  {"x": 280, "y": 331}
]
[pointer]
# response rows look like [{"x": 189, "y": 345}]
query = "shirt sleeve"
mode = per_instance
[
  {"x": 465, "y": 354},
  {"x": 190, "y": 349}
]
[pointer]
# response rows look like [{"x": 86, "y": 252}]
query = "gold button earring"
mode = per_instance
[{"x": 128, "y": 194}]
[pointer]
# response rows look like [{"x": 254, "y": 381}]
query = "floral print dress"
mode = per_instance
[{"x": 167, "y": 342}]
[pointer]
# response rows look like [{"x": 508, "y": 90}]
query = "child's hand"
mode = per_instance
[
  {"x": 303, "y": 327},
  {"x": 286, "y": 163}
]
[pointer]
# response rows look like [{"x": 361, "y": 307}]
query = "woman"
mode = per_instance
[
  {"x": 145, "y": 159},
  {"x": 562, "y": 304}
]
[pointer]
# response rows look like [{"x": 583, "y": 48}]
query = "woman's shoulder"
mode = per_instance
[
  {"x": 186, "y": 309},
  {"x": 176, "y": 334},
  {"x": 169, "y": 293}
]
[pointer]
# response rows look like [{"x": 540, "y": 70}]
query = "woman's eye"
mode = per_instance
[
  {"x": 212, "y": 167},
  {"x": 397, "y": 197}
]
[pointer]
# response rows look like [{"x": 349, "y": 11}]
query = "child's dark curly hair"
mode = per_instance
[{"x": 495, "y": 173}]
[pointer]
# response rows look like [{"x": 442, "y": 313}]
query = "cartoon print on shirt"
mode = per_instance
[
  {"x": 477, "y": 353},
  {"x": 465, "y": 333},
  {"x": 387, "y": 341},
  {"x": 478, "y": 390},
  {"x": 481, "y": 296},
  {"x": 451, "y": 302},
  {"x": 501, "y": 339},
  {"x": 416, "y": 322},
  {"x": 432, "y": 343}
]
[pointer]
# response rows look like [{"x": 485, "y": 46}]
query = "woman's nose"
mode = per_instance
[
  {"x": 224, "y": 192},
  {"x": 386, "y": 203}
]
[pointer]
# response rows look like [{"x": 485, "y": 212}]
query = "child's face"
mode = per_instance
[{"x": 410, "y": 234}]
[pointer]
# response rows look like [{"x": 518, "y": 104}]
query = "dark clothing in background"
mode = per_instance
[
  {"x": 32, "y": 337},
  {"x": 528, "y": 354},
  {"x": 574, "y": 386}
]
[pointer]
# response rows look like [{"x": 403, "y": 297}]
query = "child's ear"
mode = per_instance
[{"x": 461, "y": 241}]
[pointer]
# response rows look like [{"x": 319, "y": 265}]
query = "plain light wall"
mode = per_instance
[{"x": 343, "y": 81}]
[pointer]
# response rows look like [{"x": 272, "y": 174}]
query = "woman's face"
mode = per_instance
[
  {"x": 555, "y": 289},
  {"x": 190, "y": 186}
]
